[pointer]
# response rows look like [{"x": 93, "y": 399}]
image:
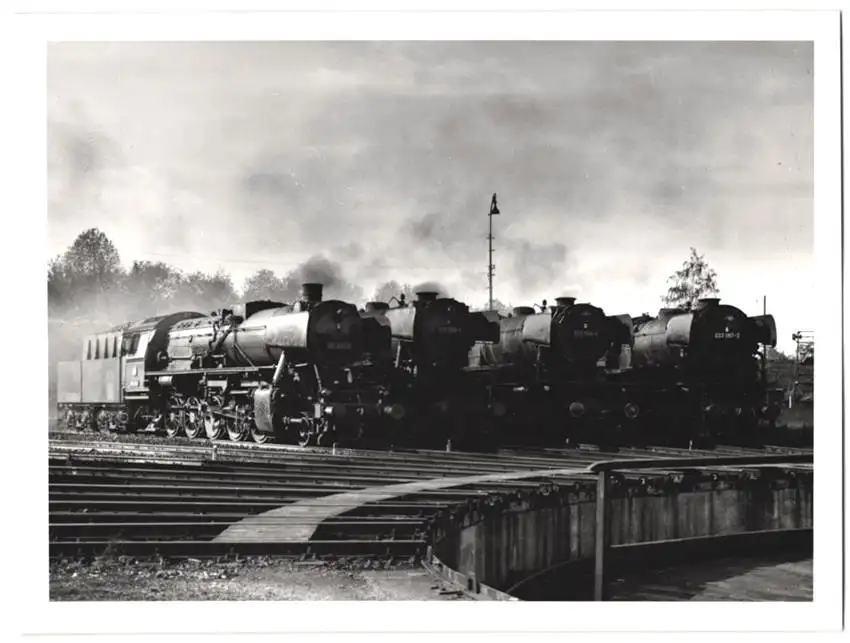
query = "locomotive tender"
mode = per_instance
[{"x": 261, "y": 369}]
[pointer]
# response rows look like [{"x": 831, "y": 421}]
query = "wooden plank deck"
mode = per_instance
[{"x": 729, "y": 579}]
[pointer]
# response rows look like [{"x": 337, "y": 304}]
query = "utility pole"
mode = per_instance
[{"x": 491, "y": 269}]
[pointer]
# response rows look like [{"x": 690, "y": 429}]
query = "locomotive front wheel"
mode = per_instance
[
  {"x": 308, "y": 431},
  {"x": 193, "y": 418}
]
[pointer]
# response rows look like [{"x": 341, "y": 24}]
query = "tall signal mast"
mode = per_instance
[{"x": 491, "y": 269}]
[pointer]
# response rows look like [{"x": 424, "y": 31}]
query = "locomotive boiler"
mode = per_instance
[
  {"x": 431, "y": 340},
  {"x": 700, "y": 371},
  {"x": 566, "y": 337}
]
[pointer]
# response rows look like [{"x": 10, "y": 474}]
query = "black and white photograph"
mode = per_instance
[{"x": 469, "y": 320}]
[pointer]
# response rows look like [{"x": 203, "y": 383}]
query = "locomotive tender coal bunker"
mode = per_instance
[
  {"x": 699, "y": 373},
  {"x": 546, "y": 369},
  {"x": 261, "y": 369},
  {"x": 431, "y": 339}
]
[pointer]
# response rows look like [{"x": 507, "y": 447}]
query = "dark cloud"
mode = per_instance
[{"x": 610, "y": 159}]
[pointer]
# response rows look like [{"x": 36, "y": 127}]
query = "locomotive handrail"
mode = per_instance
[{"x": 606, "y": 467}]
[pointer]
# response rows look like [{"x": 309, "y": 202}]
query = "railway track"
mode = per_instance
[{"x": 142, "y": 498}]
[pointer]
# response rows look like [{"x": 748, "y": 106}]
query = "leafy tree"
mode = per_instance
[
  {"x": 264, "y": 284},
  {"x": 58, "y": 284},
  {"x": 81, "y": 277},
  {"x": 385, "y": 292},
  {"x": 92, "y": 260},
  {"x": 205, "y": 293},
  {"x": 694, "y": 281},
  {"x": 152, "y": 286}
]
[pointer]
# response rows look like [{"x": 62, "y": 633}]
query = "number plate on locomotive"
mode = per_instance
[
  {"x": 339, "y": 346},
  {"x": 448, "y": 330},
  {"x": 727, "y": 335},
  {"x": 585, "y": 333}
]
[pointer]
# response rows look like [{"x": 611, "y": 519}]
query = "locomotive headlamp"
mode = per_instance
[
  {"x": 631, "y": 410},
  {"x": 577, "y": 409}
]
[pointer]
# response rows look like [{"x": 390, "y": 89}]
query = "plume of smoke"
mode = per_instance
[{"x": 320, "y": 269}]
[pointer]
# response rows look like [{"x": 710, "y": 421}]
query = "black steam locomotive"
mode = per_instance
[
  {"x": 547, "y": 372},
  {"x": 695, "y": 375},
  {"x": 260, "y": 369},
  {"x": 431, "y": 339}
]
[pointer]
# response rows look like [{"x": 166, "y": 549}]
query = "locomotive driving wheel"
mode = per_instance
[
  {"x": 214, "y": 423},
  {"x": 102, "y": 419},
  {"x": 259, "y": 438},
  {"x": 172, "y": 418},
  {"x": 193, "y": 418},
  {"x": 239, "y": 428}
]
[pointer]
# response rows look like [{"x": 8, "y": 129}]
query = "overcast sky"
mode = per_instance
[{"x": 609, "y": 159}]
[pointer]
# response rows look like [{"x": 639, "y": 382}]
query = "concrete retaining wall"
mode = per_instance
[{"x": 523, "y": 536}]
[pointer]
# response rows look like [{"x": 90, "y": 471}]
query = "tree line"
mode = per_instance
[{"x": 88, "y": 280}]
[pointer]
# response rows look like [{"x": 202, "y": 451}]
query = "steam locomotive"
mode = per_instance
[
  {"x": 695, "y": 373},
  {"x": 260, "y": 369},
  {"x": 431, "y": 339},
  {"x": 547, "y": 371}
]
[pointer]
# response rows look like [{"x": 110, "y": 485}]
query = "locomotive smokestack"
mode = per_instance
[
  {"x": 372, "y": 306},
  {"x": 424, "y": 296},
  {"x": 565, "y": 302},
  {"x": 311, "y": 294}
]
